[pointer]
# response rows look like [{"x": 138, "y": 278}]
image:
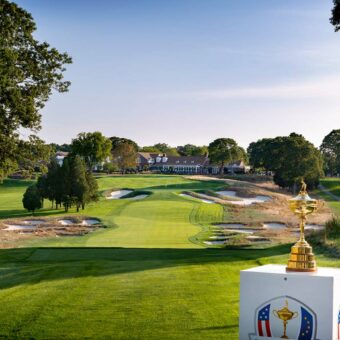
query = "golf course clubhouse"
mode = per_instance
[{"x": 184, "y": 164}]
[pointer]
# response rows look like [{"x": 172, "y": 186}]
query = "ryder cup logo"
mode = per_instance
[{"x": 284, "y": 318}]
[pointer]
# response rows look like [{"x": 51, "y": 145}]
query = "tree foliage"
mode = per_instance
[
  {"x": 125, "y": 156},
  {"x": 93, "y": 147},
  {"x": 192, "y": 150},
  {"x": 291, "y": 159},
  {"x": 34, "y": 155},
  {"x": 330, "y": 149},
  {"x": 32, "y": 199},
  {"x": 223, "y": 151},
  {"x": 335, "y": 19},
  {"x": 69, "y": 184},
  {"x": 116, "y": 141},
  {"x": 29, "y": 72}
]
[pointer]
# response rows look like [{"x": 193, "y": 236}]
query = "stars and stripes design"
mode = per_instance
[
  {"x": 307, "y": 325},
  {"x": 263, "y": 322}
]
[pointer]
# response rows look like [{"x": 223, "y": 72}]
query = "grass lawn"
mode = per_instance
[
  {"x": 140, "y": 278},
  {"x": 333, "y": 186}
]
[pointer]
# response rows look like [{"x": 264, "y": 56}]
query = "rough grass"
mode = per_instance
[{"x": 140, "y": 278}]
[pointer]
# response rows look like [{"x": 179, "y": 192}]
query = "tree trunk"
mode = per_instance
[{"x": 221, "y": 169}]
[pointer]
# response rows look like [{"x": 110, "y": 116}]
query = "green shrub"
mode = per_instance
[{"x": 333, "y": 228}]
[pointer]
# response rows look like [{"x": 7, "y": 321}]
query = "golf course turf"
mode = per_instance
[{"x": 142, "y": 277}]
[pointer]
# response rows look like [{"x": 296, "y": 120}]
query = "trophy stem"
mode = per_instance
[
  {"x": 284, "y": 336},
  {"x": 302, "y": 229}
]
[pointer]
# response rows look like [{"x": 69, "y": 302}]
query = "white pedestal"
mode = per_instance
[{"x": 314, "y": 298}]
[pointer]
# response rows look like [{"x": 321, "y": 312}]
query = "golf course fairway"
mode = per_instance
[{"x": 142, "y": 277}]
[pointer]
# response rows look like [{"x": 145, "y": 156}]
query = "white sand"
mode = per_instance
[
  {"x": 211, "y": 243},
  {"x": 11, "y": 227},
  {"x": 114, "y": 195},
  {"x": 249, "y": 201},
  {"x": 66, "y": 222},
  {"x": 34, "y": 222},
  {"x": 314, "y": 227},
  {"x": 217, "y": 237},
  {"x": 90, "y": 222},
  {"x": 242, "y": 200},
  {"x": 241, "y": 231},
  {"x": 200, "y": 199},
  {"x": 274, "y": 226},
  {"x": 227, "y": 193}
]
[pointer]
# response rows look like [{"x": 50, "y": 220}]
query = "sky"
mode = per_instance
[{"x": 191, "y": 71}]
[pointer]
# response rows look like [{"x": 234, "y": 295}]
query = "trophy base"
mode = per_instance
[{"x": 301, "y": 258}]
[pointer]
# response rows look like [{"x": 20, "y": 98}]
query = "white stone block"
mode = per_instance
[{"x": 313, "y": 299}]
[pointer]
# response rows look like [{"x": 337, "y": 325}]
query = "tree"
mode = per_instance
[
  {"x": 166, "y": 149},
  {"x": 32, "y": 199},
  {"x": 116, "y": 141},
  {"x": 149, "y": 149},
  {"x": 79, "y": 185},
  {"x": 192, "y": 150},
  {"x": 34, "y": 155},
  {"x": 257, "y": 152},
  {"x": 94, "y": 148},
  {"x": 125, "y": 156},
  {"x": 330, "y": 149},
  {"x": 335, "y": 19},
  {"x": 223, "y": 151},
  {"x": 29, "y": 71},
  {"x": 53, "y": 182},
  {"x": 291, "y": 159}
]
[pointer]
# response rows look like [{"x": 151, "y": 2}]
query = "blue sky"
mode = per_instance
[{"x": 190, "y": 71}]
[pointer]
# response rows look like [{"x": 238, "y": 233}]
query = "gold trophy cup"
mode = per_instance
[
  {"x": 301, "y": 257},
  {"x": 285, "y": 315}
]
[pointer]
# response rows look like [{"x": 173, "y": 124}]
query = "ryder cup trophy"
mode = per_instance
[{"x": 301, "y": 257}]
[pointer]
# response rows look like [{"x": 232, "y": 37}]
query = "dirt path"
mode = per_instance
[{"x": 326, "y": 191}]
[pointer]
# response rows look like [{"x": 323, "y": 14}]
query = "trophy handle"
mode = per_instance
[
  {"x": 275, "y": 313},
  {"x": 295, "y": 315}
]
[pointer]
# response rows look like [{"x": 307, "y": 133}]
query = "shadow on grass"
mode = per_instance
[
  {"x": 33, "y": 265},
  {"x": 4, "y": 214}
]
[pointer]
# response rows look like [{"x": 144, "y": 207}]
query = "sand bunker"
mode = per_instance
[
  {"x": 200, "y": 199},
  {"x": 11, "y": 227},
  {"x": 242, "y": 200},
  {"x": 114, "y": 195},
  {"x": 274, "y": 226},
  {"x": 90, "y": 222},
  {"x": 314, "y": 227},
  {"x": 217, "y": 237},
  {"x": 66, "y": 222},
  {"x": 34, "y": 222},
  {"x": 227, "y": 193},
  {"x": 241, "y": 231},
  {"x": 214, "y": 243}
]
